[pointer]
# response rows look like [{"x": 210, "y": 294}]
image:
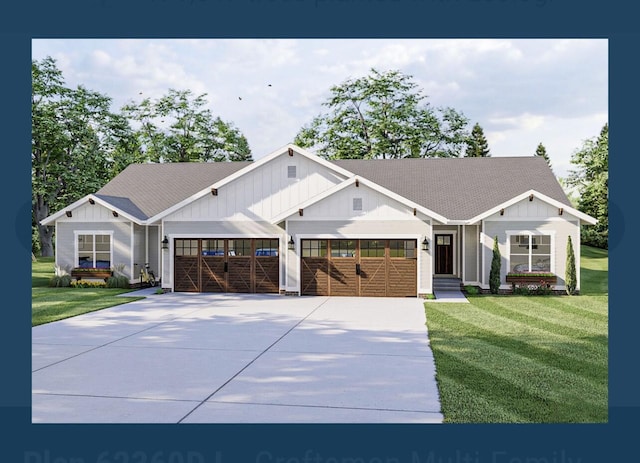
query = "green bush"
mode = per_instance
[
  {"x": 570, "y": 279},
  {"x": 471, "y": 290},
  {"x": 494, "y": 275},
  {"x": 60, "y": 281},
  {"x": 119, "y": 281}
]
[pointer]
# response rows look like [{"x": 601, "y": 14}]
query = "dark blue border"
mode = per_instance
[{"x": 22, "y": 21}]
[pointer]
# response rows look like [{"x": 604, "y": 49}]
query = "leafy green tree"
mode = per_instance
[
  {"x": 477, "y": 145},
  {"x": 75, "y": 139},
  {"x": 591, "y": 179},
  {"x": 570, "y": 279},
  {"x": 179, "y": 128},
  {"x": 383, "y": 115},
  {"x": 494, "y": 274},
  {"x": 542, "y": 151}
]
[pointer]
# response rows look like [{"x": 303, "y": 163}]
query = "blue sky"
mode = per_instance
[{"x": 522, "y": 92}]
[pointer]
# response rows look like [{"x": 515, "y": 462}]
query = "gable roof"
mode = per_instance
[
  {"x": 145, "y": 190},
  {"x": 460, "y": 188}
]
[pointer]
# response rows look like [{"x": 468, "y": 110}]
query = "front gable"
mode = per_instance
[{"x": 264, "y": 191}]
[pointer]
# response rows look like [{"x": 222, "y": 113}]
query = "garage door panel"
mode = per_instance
[
  {"x": 212, "y": 274},
  {"x": 239, "y": 278},
  {"x": 343, "y": 279},
  {"x": 373, "y": 276},
  {"x": 315, "y": 276},
  {"x": 403, "y": 276},
  {"x": 267, "y": 274},
  {"x": 186, "y": 274}
]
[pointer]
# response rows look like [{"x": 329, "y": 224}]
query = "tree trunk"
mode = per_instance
[{"x": 41, "y": 211}]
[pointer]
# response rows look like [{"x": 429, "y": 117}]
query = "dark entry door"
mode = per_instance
[{"x": 444, "y": 254}]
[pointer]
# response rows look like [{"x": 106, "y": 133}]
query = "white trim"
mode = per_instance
[
  {"x": 464, "y": 253},
  {"x": 97, "y": 200},
  {"x": 245, "y": 170},
  {"x": 93, "y": 233},
  {"x": 516, "y": 199},
  {"x": 132, "y": 244},
  {"x": 481, "y": 246},
  {"x": 146, "y": 243},
  {"x": 552, "y": 246},
  {"x": 374, "y": 186}
]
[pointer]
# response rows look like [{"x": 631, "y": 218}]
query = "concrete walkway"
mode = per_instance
[
  {"x": 203, "y": 358},
  {"x": 449, "y": 296}
]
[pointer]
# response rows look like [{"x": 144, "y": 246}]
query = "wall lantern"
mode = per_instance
[
  {"x": 165, "y": 243},
  {"x": 291, "y": 243},
  {"x": 425, "y": 244}
]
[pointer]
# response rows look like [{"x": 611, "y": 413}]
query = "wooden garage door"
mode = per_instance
[
  {"x": 376, "y": 268},
  {"x": 227, "y": 265}
]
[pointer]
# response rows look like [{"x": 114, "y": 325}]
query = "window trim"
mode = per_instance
[
  {"x": 76, "y": 251},
  {"x": 531, "y": 234}
]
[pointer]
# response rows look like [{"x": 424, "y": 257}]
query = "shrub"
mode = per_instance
[
  {"x": 570, "y": 272},
  {"x": 471, "y": 290},
  {"x": 60, "y": 281},
  {"x": 88, "y": 284},
  {"x": 494, "y": 275},
  {"x": 118, "y": 281}
]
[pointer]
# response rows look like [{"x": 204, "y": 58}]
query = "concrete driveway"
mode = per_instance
[{"x": 205, "y": 358}]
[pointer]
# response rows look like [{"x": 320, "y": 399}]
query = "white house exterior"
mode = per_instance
[{"x": 295, "y": 223}]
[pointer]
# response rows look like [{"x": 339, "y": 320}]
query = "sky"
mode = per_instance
[{"x": 521, "y": 92}]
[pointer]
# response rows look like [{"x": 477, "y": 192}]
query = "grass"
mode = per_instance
[
  {"x": 525, "y": 359},
  {"x": 52, "y": 304}
]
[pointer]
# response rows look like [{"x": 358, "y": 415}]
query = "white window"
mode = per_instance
[
  {"x": 529, "y": 252},
  {"x": 93, "y": 250}
]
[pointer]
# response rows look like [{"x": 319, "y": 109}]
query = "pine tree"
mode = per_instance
[
  {"x": 570, "y": 279},
  {"x": 542, "y": 151},
  {"x": 477, "y": 145},
  {"x": 494, "y": 275}
]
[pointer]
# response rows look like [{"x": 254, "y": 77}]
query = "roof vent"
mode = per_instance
[
  {"x": 357, "y": 204},
  {"x": 291, "y": 172}
]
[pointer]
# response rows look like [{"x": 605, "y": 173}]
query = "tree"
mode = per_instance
[
  {"x": 74, "y": 140},
  {"x": 477, "y": 145},
  {"x": 591, "y": 179},
  {"x": 542, "y": 151},
  {"x": 383, "y": 115},
  {"x": 570, "y": 279},
  {"x": 178, "y": 128},
  {"x": 494, "y": 274}
]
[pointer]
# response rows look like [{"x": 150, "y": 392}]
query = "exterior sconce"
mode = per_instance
[
  {"x": 291, "y": 243},
  {"x": 425, "y": 244},
  {"x": 165, "y": 243}
]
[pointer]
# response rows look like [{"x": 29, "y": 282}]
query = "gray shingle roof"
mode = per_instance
[
  {"x": 144, "y": 190},
  {"x": 457, "y": 188},
  {"x": 460, "y": 188}
]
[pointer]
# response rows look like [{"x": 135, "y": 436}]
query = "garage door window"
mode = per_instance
[
  {"x": 266, "y": 248},
  {"x": 314, "y": 248},
  {"x": 372, "y": 248},
  {"x": 186, "y": 247},
  {"x": 239, "y": 247},
  {"x": 343, "y": 248},
  {"x": 402, "y": 248}
]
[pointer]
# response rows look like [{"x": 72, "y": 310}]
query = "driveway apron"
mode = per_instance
[{"x": 204, "y": 358}]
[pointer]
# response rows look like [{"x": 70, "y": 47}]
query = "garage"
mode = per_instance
[
  {"x": 226, "y": 265},
  {"x": 371, "y": 267}
]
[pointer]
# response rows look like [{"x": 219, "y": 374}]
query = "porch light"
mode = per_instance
[
  {"x": 425, "y": 244},
  {"x": 291, "y": 243},
  {"x": 165, "y": 243}
]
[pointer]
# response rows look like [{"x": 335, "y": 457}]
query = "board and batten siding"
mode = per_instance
[
  {"x": 559, "y": 229},
  {"x": 66, "y": 245},
  {"x": 263, "y": 193}
]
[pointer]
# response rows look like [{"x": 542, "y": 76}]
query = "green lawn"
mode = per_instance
[
  {"x": 524, "y": 359},
  {"x": 51, "y": 304}
]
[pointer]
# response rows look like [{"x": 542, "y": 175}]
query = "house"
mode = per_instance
[{"x": 296, "y": 223}]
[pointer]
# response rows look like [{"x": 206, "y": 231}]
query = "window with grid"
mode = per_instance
[
  {"x": 239, "y": 247},
  {"x": 94, "y": 251},
  {"x": 186, "y": 247},
  {"x": 530, "y": 253},
  {"x": 266, "y": 248},
  {"x": 372, "y": 248},
  {"x": 343, "y": 248},
  {"x": 402, "y": 248},
  {"x": 212, "y": 247},
  {"x": 314, "y": 248}
]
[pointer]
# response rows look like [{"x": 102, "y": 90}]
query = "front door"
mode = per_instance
[{"x": 444, "y": 254}]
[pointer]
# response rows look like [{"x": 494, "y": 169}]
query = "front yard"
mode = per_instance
[
  {"x": 524, "y": 359},
  {"x": 51, "y": 304}
]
